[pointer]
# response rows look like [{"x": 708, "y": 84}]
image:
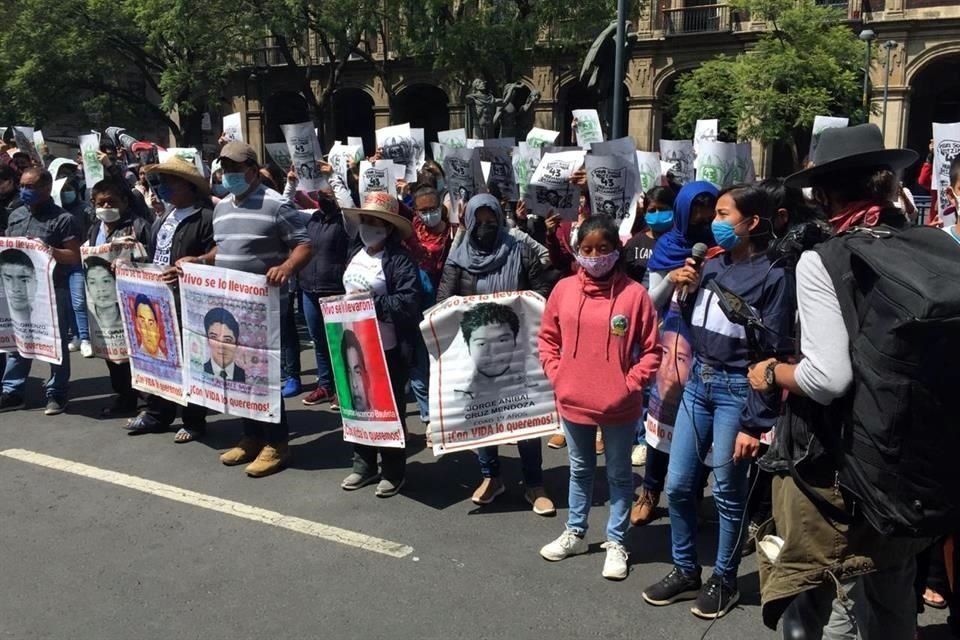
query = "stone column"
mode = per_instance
[{"x": 641, "y": 123}]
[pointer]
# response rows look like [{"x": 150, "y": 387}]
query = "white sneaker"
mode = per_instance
[
  {"x": 639, "y": 456},
  {"x": 615, "y": 566},
  {"x": 86, "y": 349},
  {"x": 73, "y": 345},
  {"x": 568, "y": 544}
]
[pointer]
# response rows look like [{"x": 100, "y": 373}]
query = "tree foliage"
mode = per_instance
[
  {"x": 810, "y": 63},
  {"x": 143, "y": 57}
]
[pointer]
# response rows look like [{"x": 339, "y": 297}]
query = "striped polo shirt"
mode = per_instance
[{"x": 257, "y": 234}]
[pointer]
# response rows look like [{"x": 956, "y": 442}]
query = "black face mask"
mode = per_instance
[{"x": 485, "y": 235}]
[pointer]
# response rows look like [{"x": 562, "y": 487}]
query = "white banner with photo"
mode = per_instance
[
  {"x": 100, "y": 285},
  {"x": 611, "y": 181},
  {"x": 486, "y": 383},
  {"x": 340, "y": 157},
  {"x": 550, "y": 188},
  {"x": 28, "y": 301},
  {"x": 233, "y": 127},
  {"x": 231, "y": 341}
]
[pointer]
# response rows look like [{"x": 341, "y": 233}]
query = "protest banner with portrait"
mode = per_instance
[
  {"x": 233, "y": 127},
  {"x": 231, "y": 341},
  {"x": 666, "y": 394},
  {"x": 486, "y": 383},
  {"x": 946, "y": 147},
  {"x": 103, "y": 309},
  {"x": 28, "y": 302},
  {"x": 367, "y": 406},
  {"x": 152, "y": 330},
  {"x": 377, "y": 176},
  {"x": 501, "y": 174},
  {"x": 550, "y": 189}
]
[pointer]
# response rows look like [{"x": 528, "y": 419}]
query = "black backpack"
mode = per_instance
[{"x": 899, "y": 443}]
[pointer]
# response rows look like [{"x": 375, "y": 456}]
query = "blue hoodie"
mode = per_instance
[{"x": 674, "y": 247}]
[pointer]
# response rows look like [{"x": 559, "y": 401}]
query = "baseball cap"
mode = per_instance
[{"x": 238, "y": 152}]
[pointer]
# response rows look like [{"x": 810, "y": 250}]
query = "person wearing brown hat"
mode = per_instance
[
  {"x": 827, "y": 567},
  {"x": 185, "y": 230},
  {"x": 384, "y": 268},
  {"x": 257, "y": 230}
]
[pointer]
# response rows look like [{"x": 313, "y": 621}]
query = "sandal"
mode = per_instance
[
  {"x": 930, "y": 602},
  {"x": 141, "y": 424},
  {"x": 186, "y": 435}
]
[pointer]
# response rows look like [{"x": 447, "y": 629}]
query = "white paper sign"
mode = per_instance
[
  {"x": 648, "y": 166},
  {"x": 233, "y": 127},
  {"x": 397, "y": 143},
  {"x": 611, "y": 181},
  {"x": 420, "y": 153},
  {"x": 24, "y": 140},
  {"x": 303, "y": 147},
  {"x": 946, "y": 147},
  {"x": 280, "y": 154},
  {"x": 501, "y": 171},
  {"x": 587, "y": 126},
  {"x": 705, "y": 131},
  {"x": 356, "y": 141},
  {"x": 92, "y": 169},
  {"x": 539, "y": 137},
  {"x": 377, "y": 176},
  {"x": 455, "y": 138},
  {"x": 822, "y": 123},
  {"x": 680, "y": 154},
  {"x": 341, "y": 155},
  {"x": 724, "y": 164},
  {"x": 550, "y": 187}
]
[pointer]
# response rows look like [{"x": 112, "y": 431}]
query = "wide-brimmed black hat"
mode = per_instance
[{"x": 851, "y": 148}]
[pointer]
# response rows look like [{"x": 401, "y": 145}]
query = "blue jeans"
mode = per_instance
[
  {"x": 531, "y": 460},
  {"x": 582, "y": 449},
  {"x": 17, "y": 369},
  {"x": 78, "y": 304},
  {"x": 314, "y": 319},
  {"x": 420, "y": 379},
  {"x": 709, "y": 415}
]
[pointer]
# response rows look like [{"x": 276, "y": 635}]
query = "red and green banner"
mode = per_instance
[{"x": 367, "y": 405}]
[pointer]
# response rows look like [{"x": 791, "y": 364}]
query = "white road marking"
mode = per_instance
[{"x": 238, "y": 509}]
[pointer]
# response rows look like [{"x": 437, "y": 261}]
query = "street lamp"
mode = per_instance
[
  {"x": 888, "y": 46},
  {"x": 618, "y": 64},
  {"x": 868, "y": 36}
]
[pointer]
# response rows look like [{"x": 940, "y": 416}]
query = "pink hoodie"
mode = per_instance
[{"x": 599, "y": 347}]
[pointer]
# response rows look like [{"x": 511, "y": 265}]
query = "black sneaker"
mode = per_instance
[
  {"x": 10, "y": 402},
  {"x": 715, "y": 599},
  {"x": 675, "y": 587}
]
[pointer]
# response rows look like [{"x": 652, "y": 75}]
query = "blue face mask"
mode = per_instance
[
  {"x": 162, "y": 191},
  {"x": 29, "y": 197},
  {"x": 235, "y": 183},
  {"x": 725, "y": 234},
  {"x": 219, "y": 190},
  {"x": 68, "y": 197},
  {"x": 659, "y": 221}
]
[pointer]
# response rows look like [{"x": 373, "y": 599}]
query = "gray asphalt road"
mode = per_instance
[{"x": 82, "y": 558}]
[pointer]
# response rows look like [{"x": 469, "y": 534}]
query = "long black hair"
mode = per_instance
[{"x": 753, "y": 200}]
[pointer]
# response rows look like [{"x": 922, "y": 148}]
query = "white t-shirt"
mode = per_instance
[
  {"x": 165, "y": 235},
  {"x": 365, "y": 273}
]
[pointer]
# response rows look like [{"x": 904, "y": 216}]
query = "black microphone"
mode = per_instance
[{"x": 699, "y": 252}]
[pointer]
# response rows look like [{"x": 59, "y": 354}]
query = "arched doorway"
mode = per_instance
[
  {"x": 425, "y": 107},
  {"x": 934, "y": 97},
  {"x": 353, "y": 116},
  {"x": 578, "y": 96},
  {"x": 283, "y": 107}
]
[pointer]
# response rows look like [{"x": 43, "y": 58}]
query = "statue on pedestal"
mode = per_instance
[
  {"x": 508, "y": 114},
  {"x": 485, "y": 105}
]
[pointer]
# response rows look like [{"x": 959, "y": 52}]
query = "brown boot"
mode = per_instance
[
  {"x": 644, "y": 510},
  {"x": 488, "y": 491},
  {"x": 541, "y": 503},
  {"x": 272, "y": 458},
  {"x": 559, "y": 441},
  {"x": 245, "y": 451}
]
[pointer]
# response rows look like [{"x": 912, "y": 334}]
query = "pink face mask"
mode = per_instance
[{"x": 599, "y": 266}]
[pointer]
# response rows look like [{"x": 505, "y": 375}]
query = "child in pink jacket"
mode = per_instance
[{"x": 599, "y": 347}]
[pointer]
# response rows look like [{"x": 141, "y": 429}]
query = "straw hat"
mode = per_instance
[
  {"x": 180, "y": 168},
  {"x": 380, "y": 204}
]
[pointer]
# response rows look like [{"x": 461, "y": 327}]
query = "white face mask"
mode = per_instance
[
  {"x": 430, "y": 218},
  {"x": 108, "y": 215},
  {"x": 372, "y": 235}
]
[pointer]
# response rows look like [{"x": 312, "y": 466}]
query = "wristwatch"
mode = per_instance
[{"x": 769, "y": 375}]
